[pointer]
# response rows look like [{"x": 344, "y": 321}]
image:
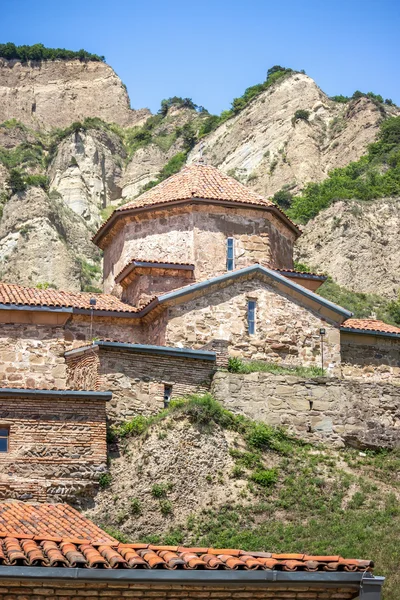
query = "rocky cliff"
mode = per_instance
[
  {"x": 50, "y": 94},
  {"x": 267, "y": 149},
  {"x": 357, "y": 243},
  {"x": 91, "y": 167}
]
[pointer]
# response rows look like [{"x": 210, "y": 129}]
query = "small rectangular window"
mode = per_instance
[
  {"x": 251, "y": 316},
  {"x": 230, "y": 254},
  {"x": 4, "y": 439},
  {"x": 167, "y": 395}
]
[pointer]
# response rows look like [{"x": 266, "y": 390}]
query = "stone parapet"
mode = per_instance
[{"x": 357, "y": 413}]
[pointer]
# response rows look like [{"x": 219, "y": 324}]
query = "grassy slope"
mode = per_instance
[{"x": 316, "y": 500}]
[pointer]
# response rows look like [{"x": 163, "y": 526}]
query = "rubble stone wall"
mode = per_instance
[
  {"x": 285, "y": 331},
  {"x": 197, "y": 235},
  {"x": 137, "y": 380},
  {"x": 364, "y": 415},
  {"x": 370, "y": 357}
]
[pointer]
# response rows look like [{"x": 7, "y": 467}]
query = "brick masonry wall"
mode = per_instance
[
  {"x": 137, "y": 380},
  {"x": 60, "y": 442},
  {"x": 370, "y": 357},
  {"x": 14, "y": 589},
  {"x": 286, "y": 332},
  {"x": 364, "y": 415},
  {"x": 197, "y": 234}
]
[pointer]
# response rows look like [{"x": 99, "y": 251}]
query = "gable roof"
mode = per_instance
[
  {"x": 196, "y": 182},
  {"x": 373, "y": 326},
  {"x": 251, "y": 271},
  {"x": 20, "y": 296}
]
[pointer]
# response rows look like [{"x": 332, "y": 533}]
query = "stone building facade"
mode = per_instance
[
  {"x": 142, "y": 379},
  {"x": 196, "y": 270}
]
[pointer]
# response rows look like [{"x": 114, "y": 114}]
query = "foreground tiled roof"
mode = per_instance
[
  {"x": 56, "y": 522},
  {"x": 370, "y": 325},
  {"x": 25, "y": 296},
  {"x": 196, "y": 181},
  {"x": 57, "y": 535}
]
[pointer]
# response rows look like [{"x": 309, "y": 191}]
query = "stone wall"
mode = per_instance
[
  {"x": 285, "y": 330},
  {"x": 370, "y": 357},
  {"x": 43, "y": 589},
  {"x": 364, "y": 415},
  {"x": 197, "y": 235},
  {"x": 59, "y": 441},
  {"x": 137, "y": 379},
  {"x": 31, "y": 356}
]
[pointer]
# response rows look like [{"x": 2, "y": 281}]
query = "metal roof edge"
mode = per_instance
[
  {"x": 90, "y": 394},
  {"x": 298, "y": 275},
  {"x": 37, "y": 308},
  {"x": 263, "y": 270},
  {"x": 370, "y": 332},
  {"x": 147, "y": 349},
  {"x": 195, "y": 577}
]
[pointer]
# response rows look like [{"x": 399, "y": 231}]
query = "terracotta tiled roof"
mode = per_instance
[
  {"x": 370, "y": 325},
  {"x": 57, "y": 535},
  {"x": 55, "y": 522},
  {"x": 196, "y": 181},
  {"x": 17, "y": 294}
]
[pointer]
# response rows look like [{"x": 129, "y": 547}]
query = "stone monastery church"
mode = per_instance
[{"x": 196, "y": 270}]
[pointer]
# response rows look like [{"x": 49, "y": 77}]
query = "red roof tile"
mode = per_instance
[
  {"x": 197, "y": 181},
  {"x": 19, "y": 295},
  {"x": 370, "y": 325},
  {"x": 49, "y": 535},
  {"x": 56, "y": 522}
]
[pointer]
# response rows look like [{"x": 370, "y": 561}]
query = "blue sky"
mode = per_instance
[{"x": 211, "y": 51}]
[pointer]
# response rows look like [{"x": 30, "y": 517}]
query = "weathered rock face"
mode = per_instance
[
  {"x": 56, "y": 93},
  {"x": 184, "y": 449},
  {"x": 148, "y": 161},
  {"x": 364, "y": 415},
  {"x": 40, "y": 241},
  {"x": 357, "y": 243},
  {"x": 86, "y": 172},
  {"x": 263, "y": 148}
]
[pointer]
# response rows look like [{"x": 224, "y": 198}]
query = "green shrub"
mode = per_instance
[
  {"x": 136, "y": 507},
  {"x": 166, "y": 507},
  {"x": 160, "y": 490},
  {"x": 135, "y": 427},
  {"x": 16, "y": 181},
  {"x": 105, "y": 480},
  {"x": 265, "y": 477},
  {"x": 300, "y": 115},
  {"x": 265, "y": 437},
  {"x": 237, "y": 472},
  {"x": 283, "y": 198},
  {"x": 39, "y": 52},
  {"x": 375, "y": 175}
]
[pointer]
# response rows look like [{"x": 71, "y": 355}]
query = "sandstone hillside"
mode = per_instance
[
  {"x": 357, "y": 243},
  {"x": 46, "y": 94},
  {"x": 67, "y": 129}
]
